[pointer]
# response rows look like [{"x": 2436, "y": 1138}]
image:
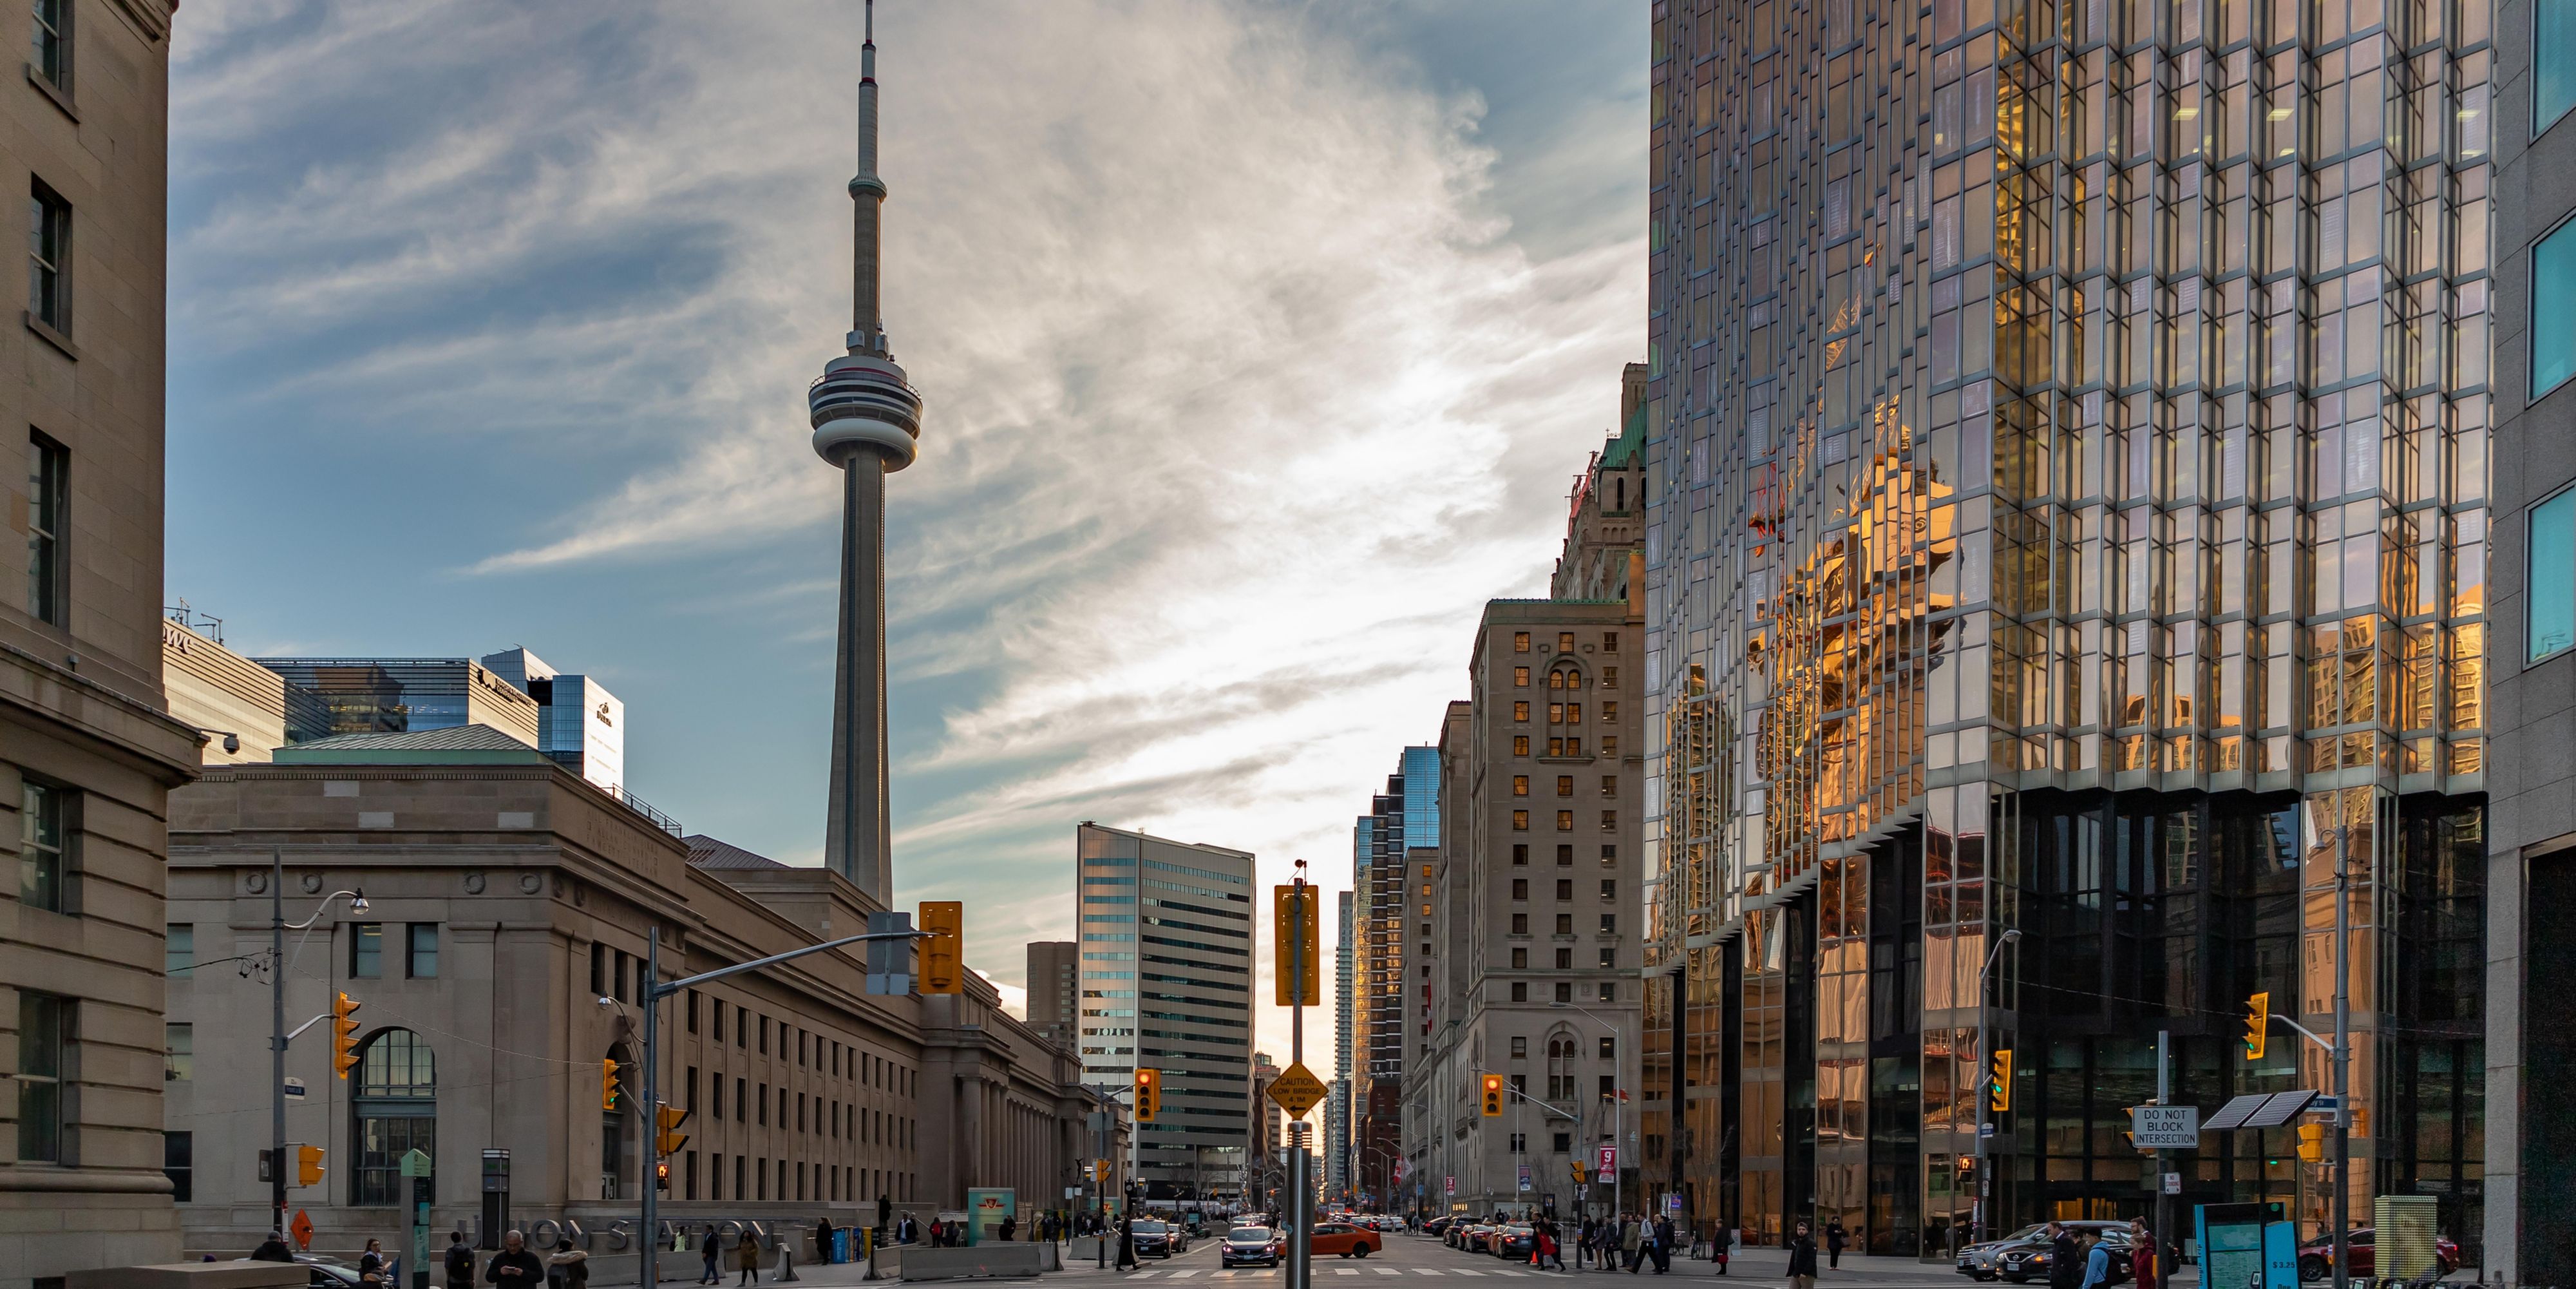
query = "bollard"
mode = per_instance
[{"x": 786, "y": 1262}]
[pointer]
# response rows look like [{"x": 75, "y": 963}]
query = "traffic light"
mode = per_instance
[
  {"x": 1578, "y": 1172},
  {"x": 1149, "y": 1095},
  {"x": 608, "y": 1083},
  {"x": 662, "y": 1175},
  {"x": 1493, "y": 1096},
  {"x": 2312, "y": 1143},
  {"x": 344, "y": 1033},
  {"x": 1296, "y": 974},
  {"x": 667, "y": 1137},
  {"x": 1100, "y": 1170},
  {"x": 308, "y": 1165},
  {"x": 943, "y": 955},
  {"x": 1999, "y": 1097},
  {"x": 2258, "y": 1024}
]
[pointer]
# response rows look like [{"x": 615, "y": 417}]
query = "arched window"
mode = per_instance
[
  {"x": 395, "y": 1110},
  {"x": 1564, "y": 710}
]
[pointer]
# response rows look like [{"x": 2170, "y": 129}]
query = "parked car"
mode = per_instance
[
  {"x": 1439, "y": 1226},
  {"x": 1245, "y": 1245},
  {"x": 1343, "y": 1239},
  {"x": 2361, "y": 1255},
  {"x": 2024, "y": 1263},
  {"x": 1977, "y": 1261}
]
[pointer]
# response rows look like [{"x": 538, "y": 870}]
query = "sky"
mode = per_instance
[{"x": 1259, "y": 344}]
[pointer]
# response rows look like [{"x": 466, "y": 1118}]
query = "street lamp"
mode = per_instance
[
  {"x": 1985, "y": 1171},
  {"x": 278, "y": 926},
  {"x": 1618, "y": 1112}
]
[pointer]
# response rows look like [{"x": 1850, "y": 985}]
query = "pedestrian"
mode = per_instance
[
  {"x": 2145, "y": 1258},
  {"x": 568, "y": 1266},
  {"x": 1632, "y": 1241},
  {"x": 460, "y": 1261},
  {"x": 1583, "y": 1245},
  {"x": 1802, "y": 1258},
  {"x": 1663, "y": 1245},
  {"x": 746, "y": 1258},
  {"x": 2065, "y": 1266},
  {"x": 710, "y": 1248},
  {"x": 1010, "y": 1227},
  {"x": 1720, "y": 1241},
  {"x": 1127, "y": 1244},
  {"x": 1835, "y": 1238},
  {"x": 884, "y": 1207},
  {"x": 823, "y": 1239},
  {"x": 273, "y": 1249},
  {"x": 2097, "y": 1263},
  {"x": 371, "y": 1263},
  {"x": 514, "y": 1267}
]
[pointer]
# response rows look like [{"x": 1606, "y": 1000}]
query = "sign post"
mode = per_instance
[
  {"x": 1298, "y": 975},
  {"x": 415, "y": 1165}
]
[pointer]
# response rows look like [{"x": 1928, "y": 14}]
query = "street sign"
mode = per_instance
[
  {"x": 1673, "y": 1203},
  {"x": 1299, "y": 969},
  {"x": 2173, "y": 1183},
  {"x": 415, "y": 1163},
  {"x": 2324, "y": 1103},
  {"x": 2165, "y": 1127},
  {"x": 1986, "y": 1129},
  {"x": 1297, "y": 1090},
  {"x": 302, "y": 1229},
  {"x": 294, "y": 1088},
  {"x": 1609, "y": 1157}
]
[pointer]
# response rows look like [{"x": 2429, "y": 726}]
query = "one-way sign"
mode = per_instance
[{"x": 2165, "y": 1127}]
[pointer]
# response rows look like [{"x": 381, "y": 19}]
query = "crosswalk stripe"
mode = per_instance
[
  {"x": 1346, "y": 1271},
  {"x": 1465, "y": 1272},
  {"x": 1139, "y": 1275},
  {"x": 1184, "y": 1275},
  {"x": 1387, "y": 1271},
  {"x": 1429, "y": 1271}
]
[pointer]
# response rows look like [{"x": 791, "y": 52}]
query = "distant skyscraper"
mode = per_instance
[
  {"x": 1402, "y": 826},
  {"x": 1337, "y": 1097},
  {"x": 1184, "y": 913},
  {"x": 1054, "y": 973},
  {"x": 866, "y": 419},
  {"x": 582, "y": 725}
]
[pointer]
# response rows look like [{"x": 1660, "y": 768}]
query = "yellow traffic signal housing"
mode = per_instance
[
  {"x": 667, "y": 1137},
  {"x": 1296, "y": 975},
  {"x": 1493, "y": 1096},
  {"x": 1149, "y": 1095},
  {"x": 1100, "y": 1170},
  {"x": 2312, "y": 1143},
  {"x": 1578, "y": 1172},
  {"x": 2258, "y": 1024},
  {"x": 344, "y": 1033},
  {"x": 2000, "y": 1080},
  {"x": 943, "y": 955},
  {"x": 308, "y": 1165},
  {"x": 608, "y": 1083}
]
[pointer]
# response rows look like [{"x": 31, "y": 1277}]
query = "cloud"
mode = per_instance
[{"x": 1242, "y": 393}]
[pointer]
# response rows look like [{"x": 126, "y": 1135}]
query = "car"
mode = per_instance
[
  {"x": 2361, "y": 1255},
  {"x": 1475, "y": 1238},
  {"x": 1155, "y": 1237},
  {"x": 1515, "y": 1241},
  {"x": 1245, "y": 1245},
  {"x": 1977, "y": 1261},
  {"x": 1438, "y": 1226},
  {"x": 2023, "y": 1263},
  {"x": 1344, "y": 1239}
]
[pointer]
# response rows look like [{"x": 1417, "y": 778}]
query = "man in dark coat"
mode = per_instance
[
  {"x": 273, "y": 1249},
  {"x": 1835, "y": 1238},
  {"x": 460, "y": 1261},
  {"x": 1127, "y": 1244},
  {"x": 1802, "y": 1258},
  {"x": 2065, "y": 1258},
  {"x": 1663, "y": 1247},
  {"x": 514, "y": 1267}
]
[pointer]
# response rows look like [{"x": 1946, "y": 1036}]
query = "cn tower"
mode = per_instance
[{"x": 866, "y": 419}]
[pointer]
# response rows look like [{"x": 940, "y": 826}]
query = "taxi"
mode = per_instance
[{"x": 1345, "y": 1240}]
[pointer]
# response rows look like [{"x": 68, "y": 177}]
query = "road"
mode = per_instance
[{"x": 1410, "y": 1258}]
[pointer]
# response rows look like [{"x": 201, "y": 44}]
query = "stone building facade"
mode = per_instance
[{"x": 88, "y": 753}]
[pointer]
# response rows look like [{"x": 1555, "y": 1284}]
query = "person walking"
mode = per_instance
[
  {"x": 1835, "y": 1238},
  {"x": 514, "y": 1267},
  {"x": 823, "y": 1239},
  {"x": 460, "y": 1261},
  {"x": 746, "y": 1258},
  {"x": 2065, "y": 1258},
  {"x": 1802, "y": 1258},
  {"x": 1720, "y": 1244},
  {"x": 1663, "y": 1244},
  {"x": 710, "y": 1248},
  {"x": 1127, "y": 1244},
  {"x": 2146, "y": 1258},
  {"x": 568, "y": 1266},
  {"x": 2097, "y": 1263},
  {"x": 1632, "y": 1241}
]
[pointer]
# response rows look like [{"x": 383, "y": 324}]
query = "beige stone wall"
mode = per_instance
[{"x": 81, "y": 706}]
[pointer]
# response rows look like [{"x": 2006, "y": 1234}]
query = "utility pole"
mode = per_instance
[
  {"x": 1301, "y": 1257},
  {"x": 2342, "y": 1201},
  {"x": 277, "y": 1038},
  {"x": 2164, "y": 1160}
]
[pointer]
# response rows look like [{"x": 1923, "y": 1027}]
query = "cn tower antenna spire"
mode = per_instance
[{"x": 867, "y": 423}]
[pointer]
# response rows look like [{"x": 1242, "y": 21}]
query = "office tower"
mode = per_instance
[
  {"x": 1054, "y": 971},
  {"x": 1401, "y": 833},
  {"x": 1265, "y": 1143},
  {"x": 91, "y": 754},
  {"x": 407, "y": 695},
  {"x": 2067, "y": 428},
  {"x": 2531, "y": 918},
  {"x": 1178, "y": 916},
  {"x": 1337, "y": 1096},
  {"x": 1532, "y": 960},
  {"x": 866, "y": 420},
  {"x": 579, "y": 723}
]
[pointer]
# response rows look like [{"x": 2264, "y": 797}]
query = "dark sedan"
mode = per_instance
[
  {"x": 1156, "y": 1238},
  {"x": 1245, "y": 1245}
]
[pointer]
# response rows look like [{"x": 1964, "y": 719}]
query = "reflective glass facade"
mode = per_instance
[
  {"x": 2067, "y": 445},
  {"x": 1402, "y": 826},
  {"x": 1166, "y": 945}
]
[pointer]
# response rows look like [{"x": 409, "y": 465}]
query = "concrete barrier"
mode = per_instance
[{"x": 921, "y": 1262}]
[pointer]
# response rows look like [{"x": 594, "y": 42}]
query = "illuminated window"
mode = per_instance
[
  {"x": 1565, "y": 821},
  {"x": 1520, "y": 642},
  {"x": 1520, "y": 745},
  {"x": 1520, "y": 785},
  {"x": 1520, "y": 711},
  {"x": 1520, "y": 677},
  {"x": 1565, "y": 641},
  {"x": 1565, "y": 785},
  {"x": 1520, "y": 821}
]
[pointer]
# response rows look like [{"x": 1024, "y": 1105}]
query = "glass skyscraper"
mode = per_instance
[
  {"x": 1167, "y": 984},
  {"x": 2066, "y": 514}
]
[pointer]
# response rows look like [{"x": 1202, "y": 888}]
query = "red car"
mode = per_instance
[{"x": 2361, "y": 1255}]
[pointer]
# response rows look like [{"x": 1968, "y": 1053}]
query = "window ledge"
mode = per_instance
[
  {"x": 59, "y": 99},
  {"x": 52, "y": 337}
]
